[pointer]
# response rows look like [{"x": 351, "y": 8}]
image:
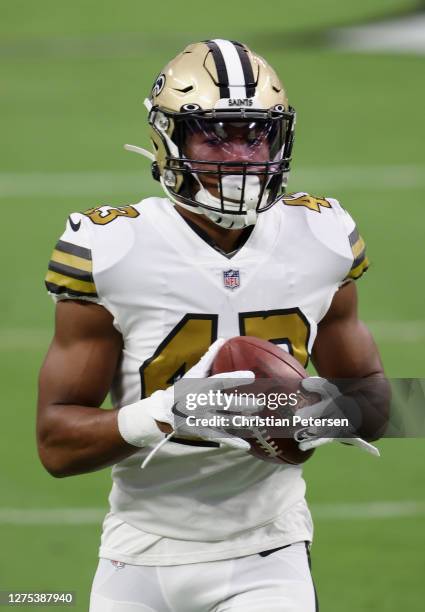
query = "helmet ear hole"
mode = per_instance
[{"x": 190, "y": 108}]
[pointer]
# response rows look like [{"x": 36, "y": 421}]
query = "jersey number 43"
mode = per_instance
[{"x": 194, "y": 333}]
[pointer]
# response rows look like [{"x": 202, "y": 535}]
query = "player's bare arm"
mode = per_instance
[
  {"x": 74, "y": 434},
  {"x": 344, "y": 349}
]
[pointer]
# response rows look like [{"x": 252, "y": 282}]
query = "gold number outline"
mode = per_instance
[
  {"x": 313, "y": 203},
  {"x": 213, "y": 318},
  {"x": 113, "y": 212},
  {"x": 264, "y": 314}
]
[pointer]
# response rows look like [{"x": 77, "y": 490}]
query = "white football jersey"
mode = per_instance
[{"x": 171, "y": 295}]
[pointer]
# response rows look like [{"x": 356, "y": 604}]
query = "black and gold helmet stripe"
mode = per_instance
[
  {"x": 233, "y": 67},
  {"x": 250, "y": 83},
  {"x": 360, "y": 261},
  {"x": 70, "y": 271},
  {"x": 220, "y": 65}
]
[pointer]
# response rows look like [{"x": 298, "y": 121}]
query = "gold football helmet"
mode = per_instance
[{"x": 222, "y": 132}]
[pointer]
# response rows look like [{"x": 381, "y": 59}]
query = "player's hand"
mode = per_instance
[
  {"x": 333, "y": 405},
  {"x": 140, "y": 423},
  {"x": 167, "y": 409}
]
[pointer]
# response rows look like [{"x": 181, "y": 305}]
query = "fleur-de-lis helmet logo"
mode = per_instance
[{"x": 158, "y": 86}]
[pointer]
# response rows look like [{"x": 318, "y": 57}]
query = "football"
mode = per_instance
[{"x": 268, "y": 361}]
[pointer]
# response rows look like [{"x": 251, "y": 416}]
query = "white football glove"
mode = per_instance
[
  {"x": 134, "y": 421},
  {"x": 312, "y": 437}
]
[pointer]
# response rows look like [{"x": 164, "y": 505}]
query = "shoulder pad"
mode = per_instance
[{"x": 360, "y": 262}]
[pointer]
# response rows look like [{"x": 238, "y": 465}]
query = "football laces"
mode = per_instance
[{"x": 266, "y": 442}]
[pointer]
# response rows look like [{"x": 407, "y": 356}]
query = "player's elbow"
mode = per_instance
[
  {"x": 52, "y": 461},
  {"x": 51, "y": 455}
]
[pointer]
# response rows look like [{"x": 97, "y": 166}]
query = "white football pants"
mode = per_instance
[{"x": 277, "y": 581}]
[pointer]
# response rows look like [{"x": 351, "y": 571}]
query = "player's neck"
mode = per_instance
[{"x": 226, "y": 239}]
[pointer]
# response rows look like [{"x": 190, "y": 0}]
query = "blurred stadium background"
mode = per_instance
[{"x": 74, "y": 75}]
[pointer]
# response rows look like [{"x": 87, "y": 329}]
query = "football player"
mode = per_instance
[{"x": 144, "y": 296}]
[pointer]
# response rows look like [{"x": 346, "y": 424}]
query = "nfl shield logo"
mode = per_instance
[{"x": 231, "y": 279}]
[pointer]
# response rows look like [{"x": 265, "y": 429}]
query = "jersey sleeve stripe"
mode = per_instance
[
  {"x": 70, "y": 271},
  {"x": 73, "y": 249},
  {"x": 358, "y": 260},
  {"x": 354, "y": 236},
  {"x": 358, "y": 247},
  {"x": 71, "y": 260},
  {"x": 61, "y": 283},
  {"x": 356, "y": 272},
  {"x": 56, "y": 290}
]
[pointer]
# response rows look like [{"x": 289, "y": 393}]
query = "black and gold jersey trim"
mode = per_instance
[
  {"x": 354, "y": 236},
  {"x": 70, "y": 271},
  {"x": 360, "y": 261},
  {"x": 60, "y": 289},
  {"x": 73, "y": 249}
]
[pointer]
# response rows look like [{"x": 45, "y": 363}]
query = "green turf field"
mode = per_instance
[{"x": 74, "y": 75}]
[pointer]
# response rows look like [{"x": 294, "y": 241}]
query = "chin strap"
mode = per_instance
[
  {"x": 229, "y": 221},
  {"x": 140, "y": 151},
  {"x": 231, "y": 189}
]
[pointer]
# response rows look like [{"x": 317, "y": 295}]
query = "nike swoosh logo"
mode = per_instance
[{"x": 75, "y": 226}]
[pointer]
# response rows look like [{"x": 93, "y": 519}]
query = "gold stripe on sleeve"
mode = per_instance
[
  {"x": 356, "y": 272},
  {"x": 70, "y": 283},
  {"x": 72, "y": 260},
  {"x": 358, "y": 247}
]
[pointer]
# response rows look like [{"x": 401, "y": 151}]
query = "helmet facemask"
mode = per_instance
[
  {"x": 222, "y": 131},
  {"x": 229, "y": 165}
]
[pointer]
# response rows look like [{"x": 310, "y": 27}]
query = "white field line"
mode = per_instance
[
  {"x": 320, "y": 511},
  {"x": 110, "y": 183},
  {"x": 383, "y": 331},
  {"x": 397, "y": 331},
  {"x": 402, "y": 35},
  {"x": 19, "y": 338},
  {"x": 56, "y": 516}
]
